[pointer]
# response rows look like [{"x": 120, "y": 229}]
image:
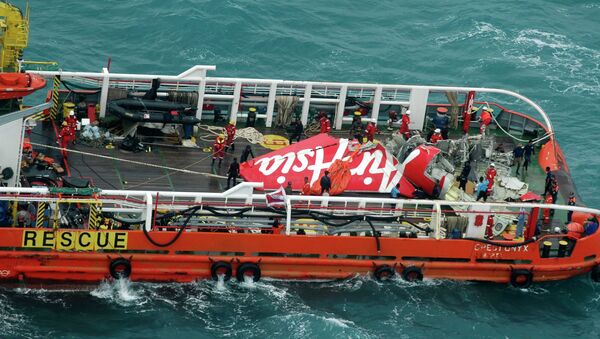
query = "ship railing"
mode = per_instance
[
  {"x": 435, "y": 213},
  {"x": 234, "y": 92}
]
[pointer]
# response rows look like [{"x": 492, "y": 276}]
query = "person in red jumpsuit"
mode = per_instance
[
  {"x": 230, "y": 129},
  {"x": 371, "y": 130},
  {"x": 486, "y": 119},
  {"x": 404, "y": 130},
  {"x": 65, "y": 136},
  {"x": 490, "y": 174},
  {"x": 437, "y": 136},
  {"x": 489, "y": 228},
  {"x": 72, "y": 123},
  {"x": 325, "y": 124},
  {"x": 218, "y": 150}
]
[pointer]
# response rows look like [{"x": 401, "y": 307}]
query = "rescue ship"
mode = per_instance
[{"x": 122, "y": 176}]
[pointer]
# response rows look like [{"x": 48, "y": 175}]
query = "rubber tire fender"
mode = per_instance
[
  {"x": 384, "y": 272},
  {"x": 219, "y": 265},
  {"x": 516, "y": 274},
  {"x": 595, "y": 273},
  {"x": 248, "y": 267},
  {"x": 120, "y": 268},
  {"x": 412, "y": 273}
]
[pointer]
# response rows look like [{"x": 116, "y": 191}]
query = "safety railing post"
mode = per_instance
[
  {"x": 376, "y": 104},
  {"x": 306, "y": 104},
  {"x": 437, "y": 220},
  {"x": 271, "y": 104},
  {"x": 104, "y": 92},
  {"x": 149, "y": 207},
  {"x": 237, "y": 91},
  {"x": 201, "y": 90},
  {"x": 288, "y": 216},
  {"x": 339, "y": 114}
]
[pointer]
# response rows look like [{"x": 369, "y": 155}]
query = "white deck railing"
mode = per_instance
[
  {"x": 143, "y": 203},
  {"x": 231, "y": 90}
]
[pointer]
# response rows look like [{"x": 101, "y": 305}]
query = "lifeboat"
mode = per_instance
[
  {"x": 18, "y": 85},
  {"x": 139, "y": 110}
]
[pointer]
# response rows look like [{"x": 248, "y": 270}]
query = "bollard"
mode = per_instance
[
  {"x": 562, "y": 248},
  {"x": 546, "y": 246}
]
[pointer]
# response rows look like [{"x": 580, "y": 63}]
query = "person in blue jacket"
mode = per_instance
[
  {"x": 481, "y": 189},
  {"x": 591, "y": 226}
]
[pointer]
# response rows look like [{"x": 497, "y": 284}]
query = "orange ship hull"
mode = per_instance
[{"x": 303, "y": 257}]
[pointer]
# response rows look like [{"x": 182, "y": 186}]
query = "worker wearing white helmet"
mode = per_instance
[
  {"x": 71, "y": 121},
  {"x": 437, "y": 136},
  {"x": 404, "y": 129},
  {"x": 490, "y": 174}
]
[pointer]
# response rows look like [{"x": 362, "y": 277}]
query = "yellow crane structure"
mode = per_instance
[{"x": 14, "y": 35}]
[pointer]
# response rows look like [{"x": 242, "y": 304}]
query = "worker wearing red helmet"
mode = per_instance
[
  {"x": 230, "y": 129},
  {"x": 371, "y": 130},
  {"x": 65, "y": 136},
  {"x": 404, "y": 129},
  {"x": 218, "y": 150},
  {"x": 325, "y": 124},
  {"x": 437, "y": 136}
]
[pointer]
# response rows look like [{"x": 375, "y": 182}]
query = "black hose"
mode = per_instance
[
  {"x": 179, "y": 233},
  {"x": 374, "y": 234}
]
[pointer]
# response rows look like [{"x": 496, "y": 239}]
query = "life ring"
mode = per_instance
[
  {"x": 248, "y": 269},
  {"x": 412, "y": 273},
  {"x": 595, "y": 274},
  {"x": 120, "y": 268},
  {"x": 521, "y": 278},
  {"x": 221, "y": 268},
  {"x": 384, "y": 272}
]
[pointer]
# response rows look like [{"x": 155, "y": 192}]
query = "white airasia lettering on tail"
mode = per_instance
[{"x": 373, "y": 162}]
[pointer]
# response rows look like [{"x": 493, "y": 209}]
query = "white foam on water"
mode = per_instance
[
  {"x": 119, "y": 291},
  {"x": 340, "y": 322},
  {"x": 220, "y": 286},
  {"x": 482, "y": 29}
]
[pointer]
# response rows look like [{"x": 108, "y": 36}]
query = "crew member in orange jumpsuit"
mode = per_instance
[
  {"x": 230, "y": 129},
  {"x": 306, "y": 187},
  {"x": 486, "y": 119},
  {"x": 490, "y": 174},
  {"x": 218, "y": 150},
  {"x": 437, "y": 136},
  {"x": 371, "y": 130},
  {"x": 404, "y": 130},
  {"x": 72, "y": 123},
  {"x": 65, "y": 136},
  {"x": 325, "y": 124}
]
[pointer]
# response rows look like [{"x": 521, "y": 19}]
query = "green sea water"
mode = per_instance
[{"x": 547, "y": 50}]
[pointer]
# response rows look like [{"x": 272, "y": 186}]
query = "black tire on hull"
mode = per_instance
[
  {"x": 248, "y": 269},
  {"x": 384, "y": 272},
  {"x": 521, "y": 278},
  {"x": 221, "y": 267},
  {"x": 120, "y": 268},
  {"x": 595, "y": 274},
  {"x": 412, "y": 273}
]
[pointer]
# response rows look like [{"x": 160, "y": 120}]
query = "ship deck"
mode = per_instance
[{"x": 113, "y": 171}]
